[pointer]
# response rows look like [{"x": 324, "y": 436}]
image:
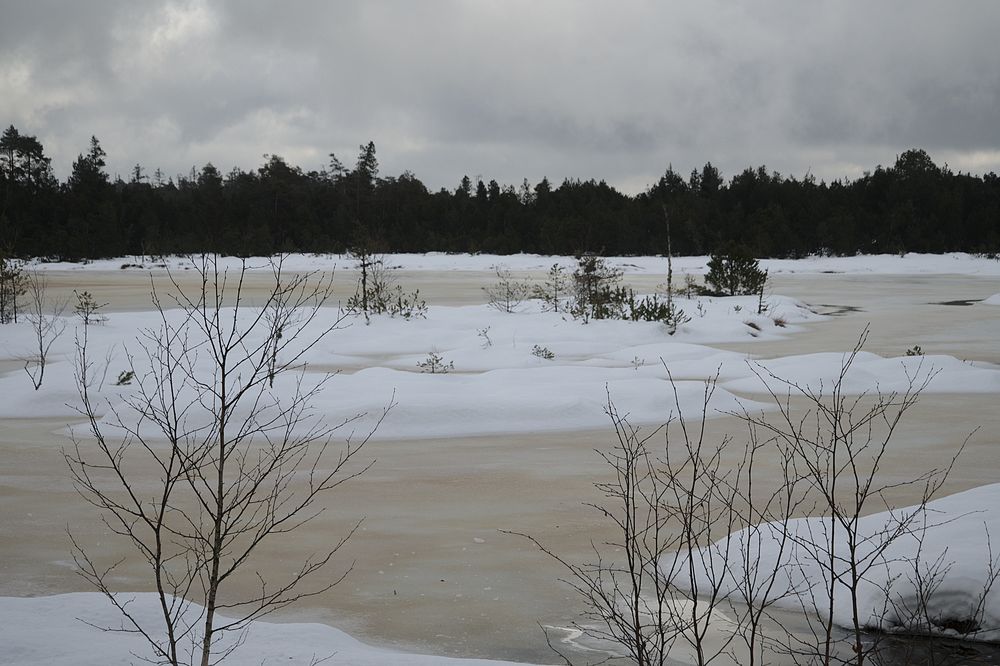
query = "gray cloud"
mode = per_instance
[{"x": 507, "y": 90}]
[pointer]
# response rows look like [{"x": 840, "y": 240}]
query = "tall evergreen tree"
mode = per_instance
[
  {"x": 9, "y": 145},
  {"x": 88, "y": 170},
  {"x": 913, "y": 204},
  {"x": 367, "y": 165}
]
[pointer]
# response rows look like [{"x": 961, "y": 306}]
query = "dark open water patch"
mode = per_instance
[
  {"x": 835, "y": 310},
  {"x": 967, "y": 301},
  {"x": 893, "y": 650}
]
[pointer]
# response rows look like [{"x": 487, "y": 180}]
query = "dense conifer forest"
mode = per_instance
[{"x": 913, "y": 205}]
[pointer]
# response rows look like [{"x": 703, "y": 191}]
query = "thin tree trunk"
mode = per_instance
[{"x": 216, "y": 552}]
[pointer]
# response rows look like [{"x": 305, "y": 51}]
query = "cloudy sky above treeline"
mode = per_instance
[{"x": 507, "y": 90}]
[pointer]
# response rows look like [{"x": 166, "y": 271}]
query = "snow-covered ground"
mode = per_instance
[
  {"x": 497, "y": 386},
  {"x": 66, "y": 630},
  {"x": 956, "y": 263},
  {"x": 947, "y": 545}
]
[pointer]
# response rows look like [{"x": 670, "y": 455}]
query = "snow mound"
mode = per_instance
[
  {"x": 954, "y": 541},
  {"x": 63, "y": 630},
  {"x": 869, "y": 373}
]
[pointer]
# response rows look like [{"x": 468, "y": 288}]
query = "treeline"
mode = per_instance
[{"x": 914, "y": 205}]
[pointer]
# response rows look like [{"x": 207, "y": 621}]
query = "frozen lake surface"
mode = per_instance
[{"x": 506, "y": 442}]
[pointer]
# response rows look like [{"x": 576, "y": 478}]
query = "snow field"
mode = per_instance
[
  {"x": 62, "y": 639},
  {"x": 912, "y": 263},
  {"x": 953, "y": 533},
  {"x": 498, "y": 386}
]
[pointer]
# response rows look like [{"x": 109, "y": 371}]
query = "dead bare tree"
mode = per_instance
[
  {"x": 46, "y": 323},
  {"x": 553, "y": 290},
  {"x": 625, "y": 597},
  {"x": 919, "y": 630},
  {"x": 507, "y": 293},
  {"x": 702, "y": 497},
  {"x": 757, "y": 583},
  {"x": 281, "y": 312},
  {"x": 670, "y": 261},
  {"x": 700, "y": 531},
  {"x": 205, "y": 461},
  {"x": 378, "y": 291},
  {"x": 661, "y": 583},
  {"x": 88, "y": 309},
  {"x": 13, "y": 285},
  {"x": 840, "y": 442}
]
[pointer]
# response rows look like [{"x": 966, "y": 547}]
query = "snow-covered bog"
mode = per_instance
[
  {"x": 497, "y": 385},
  {"x": 869, "y": 373},
  {"x": 50, "y": 630},
  {"x": 950, "y": 536},
  {"x": 911, "y": 263}
]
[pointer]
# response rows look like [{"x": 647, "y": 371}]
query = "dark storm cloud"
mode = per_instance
[
  {"x": 507, "y": 89},
  {"x": 926, "y": 77}
]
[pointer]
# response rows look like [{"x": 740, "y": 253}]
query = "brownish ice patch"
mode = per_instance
[{"x": 432, "y": 572}]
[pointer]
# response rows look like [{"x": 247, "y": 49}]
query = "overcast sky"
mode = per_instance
[{"x": 507, "y": 90}]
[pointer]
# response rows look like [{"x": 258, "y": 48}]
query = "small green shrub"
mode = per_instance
[
  {"x": 691, "y": 286},
  {"x": 553, "y": 291},
  {"x": 651, "y": 308},
  {"x": 594, "y": 286},
  {"x": 13, "y": 285},
  {"x": 735, "y": 274},
  {"x": 407, "y": 306},
  {"x": 597, "y": 294},
  {"x": 507, "y": 293},
  {"x": 435, "y": 364},
  {"x": 484, "y": 333},
  {"x": 542, "y": 352},
  {"x": 378, "y": 293},
  {"x": 88, "y": 309}
]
